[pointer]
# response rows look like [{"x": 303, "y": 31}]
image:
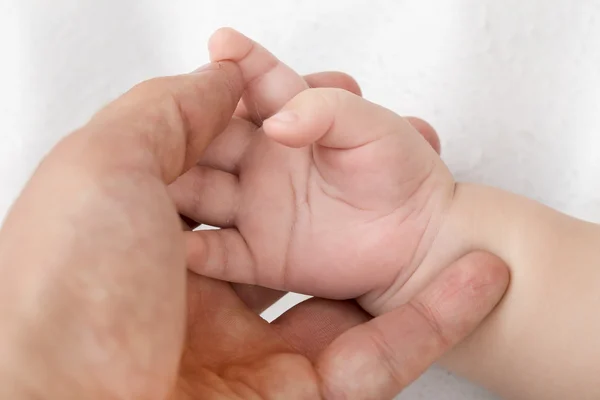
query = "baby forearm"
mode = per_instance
[{"x": 543, "y": 341}]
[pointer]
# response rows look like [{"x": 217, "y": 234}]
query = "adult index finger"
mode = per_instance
[{"x": 162, "y": 125}]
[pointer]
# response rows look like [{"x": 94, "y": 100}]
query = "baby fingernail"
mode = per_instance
[{"x": 285, "y": 117}]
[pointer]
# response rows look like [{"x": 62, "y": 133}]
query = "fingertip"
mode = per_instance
[
  {"x": 228, "y": 44},
  {"x": 488, "y": 271},
  {"x": 473, "y": 285},
  {"x": 195, "y": 249}
]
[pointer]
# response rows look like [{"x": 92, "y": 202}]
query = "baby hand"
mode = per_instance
[{"x": 334, "y": 196}]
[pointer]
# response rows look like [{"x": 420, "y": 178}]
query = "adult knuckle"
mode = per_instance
[
  {"x": 152, "y": 88},
  {"x": 431, "y": 317},
  {"x": 387, "y": 357},
  {"x": 162, "y": 105}
]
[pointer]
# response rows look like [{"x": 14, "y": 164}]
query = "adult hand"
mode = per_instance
[
  {"x": 325, "y": 349},
  {"x": 94, "y": 281}
]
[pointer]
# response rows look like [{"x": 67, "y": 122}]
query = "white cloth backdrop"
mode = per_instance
[{"x": 513, "y": 87}]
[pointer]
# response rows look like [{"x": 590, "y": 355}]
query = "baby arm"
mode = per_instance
[{"x": 543, "y": 341}]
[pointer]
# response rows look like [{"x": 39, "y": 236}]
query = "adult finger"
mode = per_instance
[
  {"x": 161, "y": 126},
  {"x": 220, "y": 328},
  {"x": 376, "y": 360},
  {"x": 257, "y": 298},
  {"x": 221, "y": 254},
  {"x": 206, "y": 195},
  {"x": 312, "y": 325}
]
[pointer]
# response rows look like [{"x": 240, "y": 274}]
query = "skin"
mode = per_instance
[
  {"x": 305, "y": 202},
  {"x": 339, "y": 197},
  {"x": 96, "y": 302}
]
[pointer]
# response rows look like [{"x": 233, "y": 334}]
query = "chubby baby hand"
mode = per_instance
[{"x": 333, "y": 196}]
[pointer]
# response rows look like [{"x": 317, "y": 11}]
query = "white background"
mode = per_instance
[{"x": 513, "y": 87}]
